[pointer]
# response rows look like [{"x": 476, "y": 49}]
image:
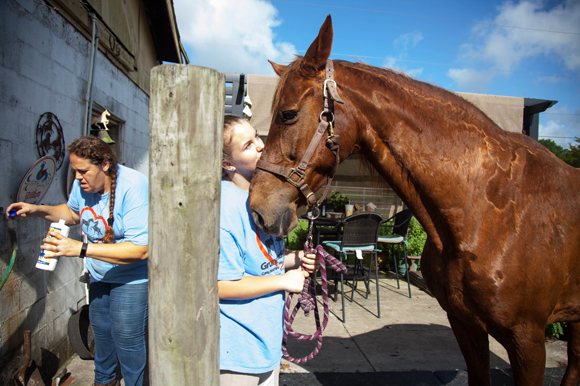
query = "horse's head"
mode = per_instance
[{"x": 297, "y": 110}]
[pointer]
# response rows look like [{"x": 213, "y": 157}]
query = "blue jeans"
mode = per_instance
[{"x": 118, "y": 314}]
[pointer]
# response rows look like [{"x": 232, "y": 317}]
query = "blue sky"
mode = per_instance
[{"x": 514, "y": 48}]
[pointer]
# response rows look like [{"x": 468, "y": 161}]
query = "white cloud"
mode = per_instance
[
  {"x": 560, "y": 122},
  {"x": 232, "y": 36},
  {"x": 393, "y": 64},
  {"x": 414, "y": 72},
  {"x": 404, "y": 44},
  {"x": 504, "y": 49},
  {"x": 470, "y": 79},
  {"x": 552, "y": 130},
  {"x": 390, "y": 62},
  {"x": 408, "y": 40}
]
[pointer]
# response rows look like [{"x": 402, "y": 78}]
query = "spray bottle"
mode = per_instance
[{"x": 45, "y": 261}]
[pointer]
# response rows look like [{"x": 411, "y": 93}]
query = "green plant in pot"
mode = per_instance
[
  {"x": 337, "y": 201},
  {"x": 415, "y": 243}
]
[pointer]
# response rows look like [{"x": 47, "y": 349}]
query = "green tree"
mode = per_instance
[
  {"x": 553, "y": 147},
  {"x": 570, "y": 156},
  {"x": 573, "y": 155}
]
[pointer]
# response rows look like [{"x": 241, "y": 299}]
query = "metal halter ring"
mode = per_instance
[
  {"x": 313, "y": 214},
  {"x": 326, "y": 112}
]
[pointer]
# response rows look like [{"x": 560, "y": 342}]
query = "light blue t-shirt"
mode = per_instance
[
  {"x": 131, "y": 214},
  {"x": 250, "y": 330}
]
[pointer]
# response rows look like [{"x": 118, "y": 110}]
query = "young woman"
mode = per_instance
[
  {"x": 254, "y": 271},
  {"x": 111, "y": 202}
]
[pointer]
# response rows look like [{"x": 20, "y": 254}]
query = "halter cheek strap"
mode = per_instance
[{"x": 296, "y": 175}]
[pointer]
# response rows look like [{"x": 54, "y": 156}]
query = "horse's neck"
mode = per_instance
[
  {"x": 427, "y": 143},
  {"x": 415, "y": 128}
]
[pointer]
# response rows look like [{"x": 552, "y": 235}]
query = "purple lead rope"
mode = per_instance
[{"x": 307, "y": 301}]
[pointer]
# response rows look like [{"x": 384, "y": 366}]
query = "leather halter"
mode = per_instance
[{"x": 296, "y": 175}]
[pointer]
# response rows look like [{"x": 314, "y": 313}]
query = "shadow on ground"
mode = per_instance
[{"x": 499, "y": 377}]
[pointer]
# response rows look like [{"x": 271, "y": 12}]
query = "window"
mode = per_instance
[{"x": 116, "y": 132}]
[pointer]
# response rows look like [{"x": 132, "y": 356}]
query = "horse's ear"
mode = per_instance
[
  {"x": 319, "y": 50},
  {"x": 278, "y": 68}
]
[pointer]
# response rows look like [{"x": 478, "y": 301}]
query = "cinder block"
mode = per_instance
[
  {"x": 9, "y": 296},
  {"x": 37, "y": 35},
  {"x": 32, "y": 288}
]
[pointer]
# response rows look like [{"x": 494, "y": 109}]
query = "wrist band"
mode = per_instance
[{"x": 84, "y": 250}]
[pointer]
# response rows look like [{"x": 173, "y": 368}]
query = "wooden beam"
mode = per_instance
[
  {"x": 78, "y": 16},
  {"x": 185, "y": 154}
]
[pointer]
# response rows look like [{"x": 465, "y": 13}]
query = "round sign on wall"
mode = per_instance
[{"x": 37, "y": 180}]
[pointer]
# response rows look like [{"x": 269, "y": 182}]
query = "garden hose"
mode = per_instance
[
  {"x": 12, "y": 234},
  {"x": 9, "y": 268}
]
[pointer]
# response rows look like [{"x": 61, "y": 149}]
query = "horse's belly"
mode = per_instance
[
  {"x": 468, "y": 289},
  {"x": 483, "y": 295}
]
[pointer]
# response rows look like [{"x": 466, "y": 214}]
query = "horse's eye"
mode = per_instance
[{"x": 289, "y": 116}]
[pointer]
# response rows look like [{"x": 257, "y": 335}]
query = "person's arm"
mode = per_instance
[
  {"x": 119, "y": 253},
  {"x": 47, "y": 212},
  {"x": 250, "y": 287}
]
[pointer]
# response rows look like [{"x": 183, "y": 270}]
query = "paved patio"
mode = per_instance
[{"x": 411, "y": 344}]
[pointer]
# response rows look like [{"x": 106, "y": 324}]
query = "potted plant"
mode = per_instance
[
  {"x": 415, "y": 243},
  {"x": 337, "y": 201}
]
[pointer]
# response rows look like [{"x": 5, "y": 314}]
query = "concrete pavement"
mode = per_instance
[{"x": 411, "y": 344}]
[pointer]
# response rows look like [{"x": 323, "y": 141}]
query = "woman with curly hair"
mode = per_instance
[{"x": 111, "y": 203}]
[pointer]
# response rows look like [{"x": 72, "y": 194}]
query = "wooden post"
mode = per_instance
[{"x": 185, "y": 156}]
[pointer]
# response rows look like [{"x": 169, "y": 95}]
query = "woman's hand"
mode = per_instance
[
  {"x": 58, "y": 245},
  {"x": 23, "y": 209},
  {"x": 47, "y": 212},
  {"x": 310, "y": 262},
  {"x": 294, "y": 280}
]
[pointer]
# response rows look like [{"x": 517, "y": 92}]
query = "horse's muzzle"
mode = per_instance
[{"x": 279, "y": 223}]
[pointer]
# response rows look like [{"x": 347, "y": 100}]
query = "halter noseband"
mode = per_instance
[{"x": 296, "y": 176}]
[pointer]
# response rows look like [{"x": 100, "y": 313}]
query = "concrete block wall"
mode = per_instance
[{"x": 44, "y": 64}]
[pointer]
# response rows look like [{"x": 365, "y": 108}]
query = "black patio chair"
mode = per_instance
[
  {"x": 399, "y": 237},
  {"x": 359, "y": 232}
]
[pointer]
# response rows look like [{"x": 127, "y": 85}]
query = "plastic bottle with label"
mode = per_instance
[{"x": 45, "y": 261}]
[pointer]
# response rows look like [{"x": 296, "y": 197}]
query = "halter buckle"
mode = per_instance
[
  {"x": 324, "y": 89},
  {"x": 300, "y": 177}
]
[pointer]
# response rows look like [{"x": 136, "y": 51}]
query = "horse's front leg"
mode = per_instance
[
  {"x": 474, "y": 345},
  {"x": 526, "y": 348},
  {"x": 572, "y": 375}
]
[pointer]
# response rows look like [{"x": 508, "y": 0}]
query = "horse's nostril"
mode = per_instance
[{"x": 258, "y": 219}]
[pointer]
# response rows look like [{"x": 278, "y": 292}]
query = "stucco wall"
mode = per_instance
[{"x": 44, "y": 66}]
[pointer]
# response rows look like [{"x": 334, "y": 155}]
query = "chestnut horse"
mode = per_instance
[{"x": 501, "y": 212}]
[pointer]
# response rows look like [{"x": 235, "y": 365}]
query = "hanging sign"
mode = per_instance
[
  {"x": 49, "y": 138},
  {"x": 37, "y": 180}
]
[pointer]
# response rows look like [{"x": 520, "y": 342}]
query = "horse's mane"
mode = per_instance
[{"x": 419, "y": 88}]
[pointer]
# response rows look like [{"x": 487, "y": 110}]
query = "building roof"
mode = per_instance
[{"x": 163, "y": 26}]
